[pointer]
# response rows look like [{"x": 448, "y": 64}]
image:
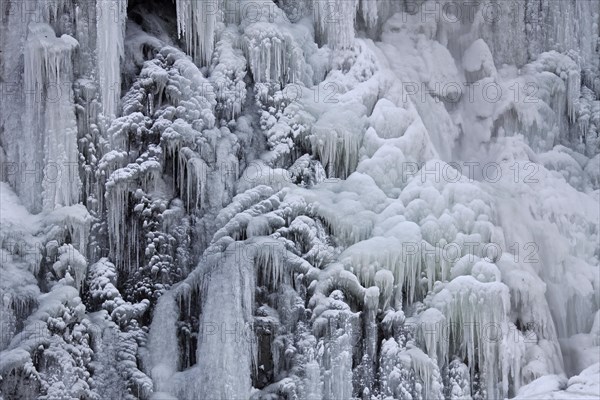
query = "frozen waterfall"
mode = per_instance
[{"x": 299, "y": 199}]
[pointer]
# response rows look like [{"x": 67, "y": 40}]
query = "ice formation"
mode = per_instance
[
  {"x": 341, "y": 199},
  {"x": 110, "y": 31},
  {"x": 50, "y": 126}
]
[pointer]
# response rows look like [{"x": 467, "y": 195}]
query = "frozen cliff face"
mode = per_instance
[{"x": 299, "y": 199}]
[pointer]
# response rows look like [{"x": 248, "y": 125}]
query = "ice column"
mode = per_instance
[
  {"x": 226, "y": 344},
  {"x": 162, "y": 342},
  {"x": 48, "y": 149},
  {"x": 110, "y": 30}
]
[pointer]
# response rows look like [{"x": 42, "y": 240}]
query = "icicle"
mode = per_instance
[
  {"x": 427, "y": 372},
  {"x": 197, "y": 20},
  {"x": 335, "y": 22},
  {"x": 371, "y": 303},
  {"x": 269, "y": 259},
  {"x": 118, "y": 186},
  {"x": 400, "y": 255},
  {"x": 432, "y": 331},
  {"x": 337, "y": 137},
  {"x": 384, "y": 280},
  {"x": 117, "y": 196},
  {"x": 110, "y": 30},
  {"x": 192, "y": 178},
  {"x": 273, "y": 54},
  {"x": 50, "y": 126},
  {"x": 369, "y": 12},
  {"x": 472, "y": 309},
  {"x": 573, "y": 93},
  {"x": 77, "y": 222}
]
